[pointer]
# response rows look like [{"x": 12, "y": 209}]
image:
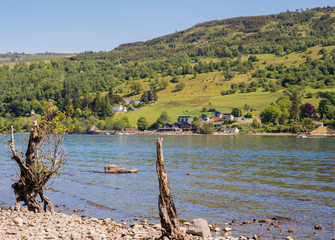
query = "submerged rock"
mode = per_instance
[
  {"x": 112, "y": 168},
  {"x": 318, "y": 227}
]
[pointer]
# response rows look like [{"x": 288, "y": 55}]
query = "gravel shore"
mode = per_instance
[{"x": 25, "y": 225}]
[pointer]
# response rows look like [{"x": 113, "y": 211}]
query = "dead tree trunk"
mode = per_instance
[
  {"x": 167, "y": 211},
  {"x": 32, "y": 177}
]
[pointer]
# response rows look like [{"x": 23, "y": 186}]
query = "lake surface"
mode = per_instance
[{"x": 230, "y": 177}]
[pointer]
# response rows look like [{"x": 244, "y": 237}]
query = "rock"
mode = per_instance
[
  {"x": 217, "y": 229},
  {"x": 183, "y": 230},
  {"x": 291, "y": 230},
  {"x": 289, "y": 238},
  {"x": 246, "y": 222},
  {"x": 144, "y": 221},
  {"x": 112, "y": 168},
  {"x": 284, "y": 219},
  {"x": 264, "y": 220},
  {"x": 199, "y": 227},
  {"x": 227, "y": 229},
  {"x": 187, "y": 223},
  {"x": 318, "y": 227},
  {"x": 18, "y": 221},
  {"x": 132, "y": 170}
]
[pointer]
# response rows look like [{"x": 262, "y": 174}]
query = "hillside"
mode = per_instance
[
  {"x": 276, "y": 34},
  {"x": 245, "y": 62}
]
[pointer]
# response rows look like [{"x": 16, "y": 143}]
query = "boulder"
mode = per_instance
[
  {"x": 199, "y": 227},
  {"x": 112, "y": 168}
]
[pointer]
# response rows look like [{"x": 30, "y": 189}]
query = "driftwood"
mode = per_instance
[
  {"x": 43, "y": 159},
  {"x": 30, "y": 185},
  {"x": 167, "y": 210}
]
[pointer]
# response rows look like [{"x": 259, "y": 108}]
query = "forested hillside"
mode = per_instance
[{"x": 245, "y": 62}]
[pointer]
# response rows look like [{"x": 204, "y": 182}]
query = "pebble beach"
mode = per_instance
[{"x": 26, "y": 225}]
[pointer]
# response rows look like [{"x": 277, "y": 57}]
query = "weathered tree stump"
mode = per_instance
[
  {"x": 30, "y": 184},
  {"x": 167, "y": 210},
  {"x": 43, "y": 159}
]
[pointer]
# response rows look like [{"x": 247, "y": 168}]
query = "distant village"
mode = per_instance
[{"x": 183, "y": 124}]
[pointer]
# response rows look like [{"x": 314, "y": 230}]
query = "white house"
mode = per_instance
[
  {"x": 230, "y": 130},
  {"x": 186, "y": 119},
  {"x": 227, "y": 116},
  {"x": 205, "y": 118},
  {"x": 119, "y": 108}
]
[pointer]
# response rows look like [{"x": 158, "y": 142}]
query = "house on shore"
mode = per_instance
[
  {"x": 223, "y": 116},
  {"x": 227, "y": 116},
  {"x": 130, "y": 130},
  {"x": 131, "y": 101},
  {"x": 216, "y": 114},
  {"x": 95, "y": 130},
  {"x": 205, "y": 118},
  {"x": 119, "y": 108},
  {"x": 167, "y": 127},
  {"x": 186, "y": 119},
  {"x": 175, "y": 127},
  {"x": 230, "y": 130}
]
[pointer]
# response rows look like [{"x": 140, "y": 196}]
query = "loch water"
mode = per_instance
[{"x": 219, "y": 178}]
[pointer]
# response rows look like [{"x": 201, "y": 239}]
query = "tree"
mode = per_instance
[
  {"x": 136, "y": 87},
  {"x": 180, "y": 86},
  {"x": 285, "y": 105},
  {"x": 153, "y": 85},
  {"x": 324, "y": 107},
  {"x": 44, "y": 159},
  {"x": 163, "y": 84},
  {"x": 154, "y": 96},
  {"x": 228, "y": 74},
  {"x": 207, "y": 128},
  {"x": 246, "y": 107},
  {"x": 196, "y": 125},
  {"x": 308, "y": 124},
  {"x": 106, "y": 108},
  {"x": 161, "y": 120},
  {"x": 120, "y": 124},
  {"x": 296, "y": 101},
  {"x": 144, "y": 97},
  {"x": 142, "y": 124},
  {"x": 253, "y": 58},
  {"x": 236, "y": 112},
  {"x": 271, "y": 114},
  {"x": 307, "y": 111}
]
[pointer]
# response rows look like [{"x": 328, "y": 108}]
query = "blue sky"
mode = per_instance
[{"x": 73, "y": 26}]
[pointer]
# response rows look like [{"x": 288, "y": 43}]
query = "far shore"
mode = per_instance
[{"x": 189, "y": 133}]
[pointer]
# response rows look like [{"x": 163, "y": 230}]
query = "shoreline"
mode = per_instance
[
  {"x": 26, "y": 225},
  {"x": 153, "y": 133},
  {"x": 190, "y": 133}
]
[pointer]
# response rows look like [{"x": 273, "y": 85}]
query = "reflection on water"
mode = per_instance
[{"x": 242, "y": 177}]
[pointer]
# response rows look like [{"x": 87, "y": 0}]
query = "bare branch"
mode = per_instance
[{"x": 15, "y": 155}]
